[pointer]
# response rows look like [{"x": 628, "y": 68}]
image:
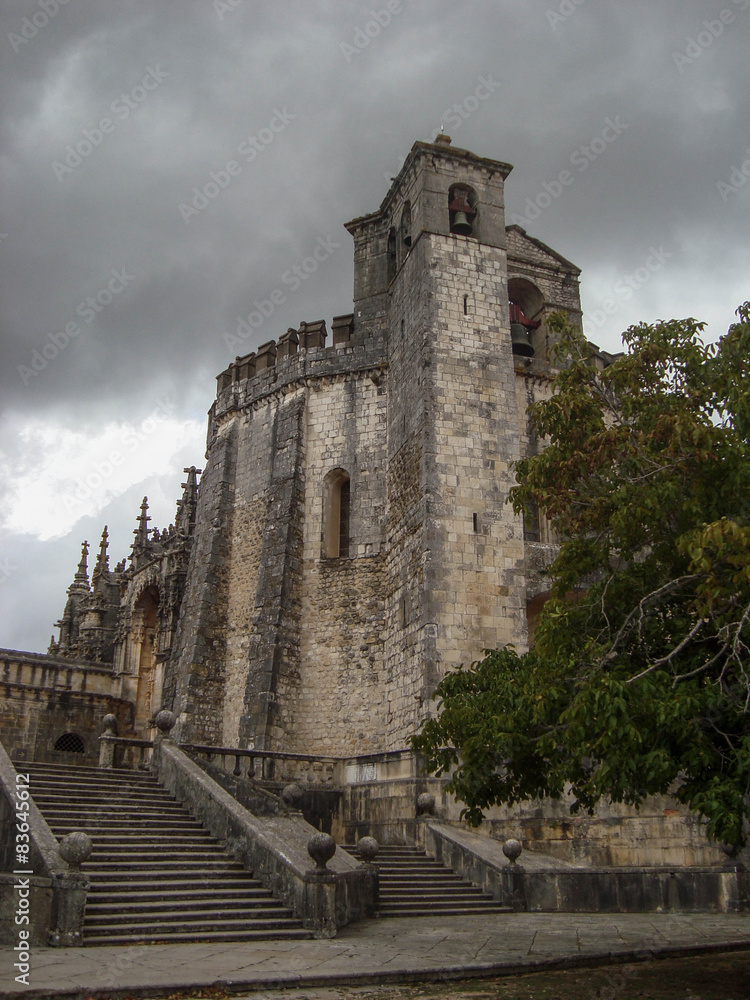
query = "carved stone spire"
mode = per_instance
[
  {"x": 102, "y": 562},
  {"x": 187, "y": 505},
  {"x": 142, "y": 531},
  {"x": 81, "y": 579}
]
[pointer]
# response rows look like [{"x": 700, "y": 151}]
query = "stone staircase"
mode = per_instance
[
  {"x": 414, "y": 885},
  {"x": 156, "y": 873}
]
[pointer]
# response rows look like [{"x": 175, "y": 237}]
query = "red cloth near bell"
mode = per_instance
[{"x": 517, "y": 316}]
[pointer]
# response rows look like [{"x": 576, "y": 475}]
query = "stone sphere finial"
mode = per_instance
[
  {"x": 110, "y": 725},
  {"x": 292, "y": 795},
  {"x": 76, "y": 848},
  {"x": 321, "y": 847},
  {"x": 425, "y": 804},
  {"x": 165, "y": 721},
  {"x": 367, "y": 849},
  {"x": 512, "y": 849}
]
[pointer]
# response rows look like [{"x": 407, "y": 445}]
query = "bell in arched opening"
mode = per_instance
[
  {"x": 461, "y": 211},
  {"x": 520, "y": 342}
]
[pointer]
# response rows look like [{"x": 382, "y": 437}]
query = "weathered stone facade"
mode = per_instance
[{"x": 350, "y": 541}]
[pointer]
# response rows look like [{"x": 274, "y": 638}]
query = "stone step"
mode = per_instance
[
  {"x": 207, "y": 899},
  {"x": 156, "y": 874},
  {"x": 187, "y": 865},
  {"x": 115, "y": 811},
  {"x": 139, "y": 855},
  {"x": 95, "y": 795},
  {"x": 185, "y": 937},
  {"x": 101, "y": 824},
  {"x": 428, "y": 891},
  {"x": 441, "y": 910},
  {"x": 414, "y": 884},
  {"x": 160, "y": 881},
  {"x": 252, "y": 917},
  {"x": 99, "y": 778},
  {"x": 143, "y": 838}
]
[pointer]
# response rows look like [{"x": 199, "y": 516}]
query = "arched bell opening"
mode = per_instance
[
  {"x": 463, "y": 213},
  {"x": 526, "y": 306}
]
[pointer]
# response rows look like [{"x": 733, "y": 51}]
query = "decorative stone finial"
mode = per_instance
[
  {"x": 75, "y": 849},
  {"x": 110, "y": 725},
  {"x": 425, "y": 803},
  {"x": 367, "y": 849},
  {"x": 292, "y": 795},
  {"x": 512, "y": 849},
  {"x": 321, "y": 847},
  {"x": 165, "y": 721}
]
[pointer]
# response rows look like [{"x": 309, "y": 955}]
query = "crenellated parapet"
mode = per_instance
[{"x": 309, "y": 339}]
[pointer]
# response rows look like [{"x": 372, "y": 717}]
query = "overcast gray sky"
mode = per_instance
[{"x": 130, "y": 243}]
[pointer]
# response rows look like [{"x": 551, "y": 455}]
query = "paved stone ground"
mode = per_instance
[{"x": 411, "y": 950}]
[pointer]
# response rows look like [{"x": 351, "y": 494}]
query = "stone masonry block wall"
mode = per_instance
[
  {"x": 278, "y": 475},
  {"x": 478, "y": 585},
  {"x": 339, "y": 704},
  {"x": 409, "y": 634},
  {"x": 194, "y": 680}
]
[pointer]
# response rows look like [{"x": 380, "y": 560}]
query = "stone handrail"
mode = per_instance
[
  {"x": 108, "y": 742},
  {"x": 273, "y": 848},
  {"x": 56, "y": 893},
  {"x": 210, "y": 752}
]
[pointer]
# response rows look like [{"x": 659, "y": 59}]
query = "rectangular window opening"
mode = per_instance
[{"x": 475, "y": 518}]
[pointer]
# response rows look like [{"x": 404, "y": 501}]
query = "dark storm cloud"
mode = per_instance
[{"x": 272, "y": 123}]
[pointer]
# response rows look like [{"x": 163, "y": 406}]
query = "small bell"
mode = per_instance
[
  {"x": 461, "y": 224},
  {"x": 519, "y": 339},
  {"x": 462, "y": 213}
]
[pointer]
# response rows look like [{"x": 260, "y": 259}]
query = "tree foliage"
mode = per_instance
[{"x": 639, "y": 681}]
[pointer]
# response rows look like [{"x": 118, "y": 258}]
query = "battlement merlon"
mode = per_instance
[{"x": 304, "y": 344}]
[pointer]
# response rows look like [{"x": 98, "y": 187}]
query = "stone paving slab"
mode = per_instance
[{"x": 410, "y": 949}]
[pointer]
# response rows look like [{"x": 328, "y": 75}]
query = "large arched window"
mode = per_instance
[{"x": 336, "y": 514}]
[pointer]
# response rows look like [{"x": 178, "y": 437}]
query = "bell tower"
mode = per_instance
[{"x": 438, "y": 286}]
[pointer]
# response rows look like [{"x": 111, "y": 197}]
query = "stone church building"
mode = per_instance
[{"x": 348, "y": 540}]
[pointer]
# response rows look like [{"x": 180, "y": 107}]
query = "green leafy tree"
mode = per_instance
[{"x": 639, "y": 680}]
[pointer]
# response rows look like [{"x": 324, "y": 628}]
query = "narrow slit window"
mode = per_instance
[
  {"x": 475, "y": 518},
  {"x": 466, "y": 305}
]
